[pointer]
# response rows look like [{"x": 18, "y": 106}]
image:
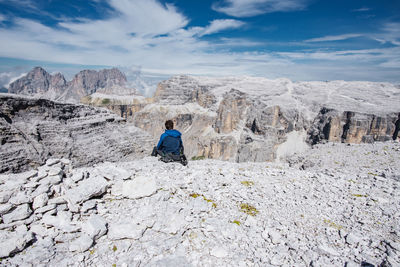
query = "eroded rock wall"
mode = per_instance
[
  {"x": 226, "y": 119},
  {"x": 32, "y": 130},
  {"x": 352, "y": 127}
]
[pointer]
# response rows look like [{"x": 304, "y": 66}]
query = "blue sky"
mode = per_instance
[{"x": 297, "y": 39}]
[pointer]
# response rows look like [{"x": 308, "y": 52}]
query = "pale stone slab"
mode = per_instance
[
  {"x": 40, "y": 201},
  {"x": 125, "y": 230},
  {"x": 95, "y": 227},
  {"x": 20, "y": 213},
  {"x": 139, "y": 187},
  {"x": 87, "y": 189},
  {"x": 81, "y": 244}
]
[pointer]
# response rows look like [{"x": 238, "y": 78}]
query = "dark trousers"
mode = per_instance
[{"x": 169, "y": 157}]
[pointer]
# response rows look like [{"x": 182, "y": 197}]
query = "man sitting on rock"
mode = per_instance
[{"x": 170, "y": 146}]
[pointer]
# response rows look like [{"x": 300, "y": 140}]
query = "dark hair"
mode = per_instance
[{"x": 169, "y": 125}]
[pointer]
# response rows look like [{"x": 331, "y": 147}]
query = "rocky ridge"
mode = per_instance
[
  {"x": 337, "y": 205},
  {"x": 39, "y": 83},
  {"x": 32, "y": 130},
  {"x": 256, "y": 119}
]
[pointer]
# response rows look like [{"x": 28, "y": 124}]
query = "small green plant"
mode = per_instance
[
  {"x": 105, "y": 101},
  {"x": 198, "y": 157},
  {"x": 247, "y": 183},
  {"x": 91, "y": 251},
  {"x": 195, "y": 195},
  {"x": 248, "y": 209},
  {"x": 359, "y": 195},
  {"x": 332, "y": 224},
  {"x": 114, "y": 265},
  {"x": 114, "y": 248},
  {"x": 237, "y": 222}
]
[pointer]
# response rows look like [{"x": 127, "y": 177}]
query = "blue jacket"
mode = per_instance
[{"x": 170, "y": 142}]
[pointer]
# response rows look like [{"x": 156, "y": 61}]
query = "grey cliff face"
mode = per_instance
[
  {"x": 352, "y": 127},
  {"x": 54, "y": 87},
  {"x": 88, "y": 82},
  {"x": 254, "y": 119},
  {"x": 250, "y": 125},
  {"x": 32, "y": 130}
]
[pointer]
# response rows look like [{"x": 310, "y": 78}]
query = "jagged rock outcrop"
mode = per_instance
[
  {"x": 352, "y": 127},
  {"x": 256, "y": 119},
  {"x": 39, "y": 83},
  {"x": 32, "y": 130}
]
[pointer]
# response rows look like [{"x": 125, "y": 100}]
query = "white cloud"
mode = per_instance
[
  {"x": 156, "y": 37},
  {"x": 362, "y": 9},
  {"x": 334, "y": 38},
  {"x": 220, "y": 25},
  {"x": 249, "y": 8},
  {"x": 140, "y": 17}
]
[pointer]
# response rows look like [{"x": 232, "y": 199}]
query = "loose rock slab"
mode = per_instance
[
  {"x": 139, "y": 187},
  {"x": 125, "y": 230},
  {"x": 87, "y": 189}
]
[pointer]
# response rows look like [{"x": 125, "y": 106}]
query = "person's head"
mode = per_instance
[{"x": 169, "y": 125}]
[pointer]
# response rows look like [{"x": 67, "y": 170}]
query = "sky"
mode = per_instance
[{"x": 298, "y": 39}]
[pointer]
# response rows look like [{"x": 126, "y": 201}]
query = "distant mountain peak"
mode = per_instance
[{"x": 38, "y": 82}]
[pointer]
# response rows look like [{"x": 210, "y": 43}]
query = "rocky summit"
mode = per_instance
[
  {"x": 39, "y": 83},
  {"x": 32, "y": 130},
  {"x": 333, "y": 205}
]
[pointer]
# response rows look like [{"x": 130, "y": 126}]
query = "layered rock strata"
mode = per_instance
[
  {"x": 32, "y": 130},
  {"x": 256, "y": 119}
]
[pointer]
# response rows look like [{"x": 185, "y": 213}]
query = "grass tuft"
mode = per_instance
[
  {"x": 247, "y": 183},
  {"x": 248, "y": 209}
]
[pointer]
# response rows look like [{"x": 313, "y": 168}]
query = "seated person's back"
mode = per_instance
[
  {"x": 170, "y": 146},
  {"x": 170, "y": 142}
]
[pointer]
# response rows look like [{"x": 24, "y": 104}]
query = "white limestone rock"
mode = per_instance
[
  {"x": 55, "y": 171},
  {"x": 353, "y": 238},
  {"x": 139, "y": 187},
  {"x": 95, "y": 226},
  {"x": 13, "y": 242},
  {"x": 88, "y": 205},
  {"x": 39, "y": 230},
  {"x": 328, "y": 250},
  {"x": 92, "y": 187},
  {"x": 111, "y": 172},
  {"x": 42, "y": 188},
  {"x": 4, "y": 208},
  {"x": 219, "y": 252},
  {"x": 51, "y": 162},
  {"x": 45, "y": 209},
  {"x": 5, "y": 196},
  {"x": 125, "y": 230},
  {"x": 57, "y": 200},
  {"x": 275, "y": 236},
  {"x": 40, "y": 201},
  {"x": 62, "y": 222},
  {"x": 81, "y": 244},
  {"x": 20, "y": 198},
  {"x": 21, "y": 212},
  {"x": 51, "y": 180}
]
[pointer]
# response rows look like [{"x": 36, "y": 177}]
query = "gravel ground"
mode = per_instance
[{"x": 333, "y": 205}]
